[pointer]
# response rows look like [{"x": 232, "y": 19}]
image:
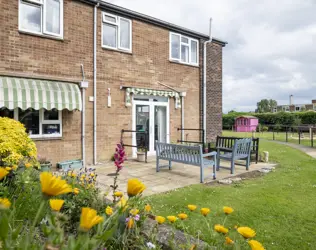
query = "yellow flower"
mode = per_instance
[
  {"x": 205, "y": 211},
  {"x": 228, "y": 210},
  {"x": 255, "y": 245},
  {"x": 192, "y": 207},
  {"x": 147, "y": 208},
  {"x": 118, "y": 194},
  {"x": 92, "y": 174},
  {"x": 89, "y": 218},
  {"x": 109, "y": 210},
  {"x": 130, "y": 223},
  {"x": 235, "y": 226},
  {"x": 14, "y": 167},
  {"x": 52, "y": 185},
  {"x": 8, "y": 168},
  {"x": 3, "y": 173},
  {"x": 229, "y": 241},
  {"x": 4, "y": 203},
  {"x": 134, "y": 187},
  {"x": 172, "y": 219},
  {"x": 247, "y": 232},
  {"x": 160, "y": 219},
  {"x": 56, "y": 204},
  {"x": 182, "y": 216},
  {"x": 76, "y": 191},
  {"x": 134, "y": 211},
  {"x": 72, "y": 174},
  {"x": 122, "y": 203},
  {"x": 193, "y": 247},
  {"x": 220, "y": 229},
  {"x": 28, "y": 165}
]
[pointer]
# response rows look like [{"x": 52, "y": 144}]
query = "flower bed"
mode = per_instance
[{"x": 42, "y": 210}]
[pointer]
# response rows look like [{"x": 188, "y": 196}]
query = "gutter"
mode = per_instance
[
  {"x": 204, "y": 80},
  {"x": 152, "y": 20},
  {"x": 95, "y": 14}
]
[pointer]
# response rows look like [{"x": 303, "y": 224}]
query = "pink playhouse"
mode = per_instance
[{"x": 246, "y": 123}]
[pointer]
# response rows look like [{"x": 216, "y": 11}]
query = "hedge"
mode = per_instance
[{"x": 280, "y": 118}]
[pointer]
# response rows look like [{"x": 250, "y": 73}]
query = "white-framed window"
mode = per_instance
[
  {"x": 38, "y": 123},
  {"x": 184, "y": 49},
  {"x": 297, "y": 108},
  {"x": 116, "y": 32},
  {"x": 43, "y": 17}
]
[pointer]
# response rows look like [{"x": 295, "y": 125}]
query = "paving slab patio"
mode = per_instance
[{"x": 181, "y": 175}]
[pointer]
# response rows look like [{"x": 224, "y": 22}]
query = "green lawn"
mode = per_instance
[
  {"x": 278, "y": 136},
  {"x": 280, "y": 206}
]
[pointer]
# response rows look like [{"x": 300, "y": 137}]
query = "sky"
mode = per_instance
[{"x": 271, "y": 50}]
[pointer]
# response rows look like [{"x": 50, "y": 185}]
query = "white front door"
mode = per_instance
[{"x": 150, "y": 116}]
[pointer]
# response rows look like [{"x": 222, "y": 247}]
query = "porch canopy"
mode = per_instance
[
  {"x": 27, "y": 93},
  {"x": 151, "y": 92}
]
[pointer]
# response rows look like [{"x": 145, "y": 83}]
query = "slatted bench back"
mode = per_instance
[
  {"x": 242, "y": 147},
  {"x": 225, "y": 142},
  {"x": 191, "y": 155}
]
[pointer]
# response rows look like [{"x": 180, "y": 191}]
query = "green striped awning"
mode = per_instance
[{"x": 27, "y": 93}]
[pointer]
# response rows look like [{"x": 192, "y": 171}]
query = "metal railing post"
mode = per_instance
[{"x": 299, "y": 136}]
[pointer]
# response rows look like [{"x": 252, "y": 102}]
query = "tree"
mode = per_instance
[{"x": 266, "y": 105}]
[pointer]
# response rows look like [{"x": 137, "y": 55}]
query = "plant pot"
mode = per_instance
[
  {"x": 141, "y": 156},
  {"x": 46, "y": 167}
]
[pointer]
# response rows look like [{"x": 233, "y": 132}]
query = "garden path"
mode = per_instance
[
  {"x": 180, "y": 176},
  {"x": 306, "y": 149}
]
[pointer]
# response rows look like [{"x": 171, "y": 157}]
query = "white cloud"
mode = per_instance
[{"x": 271, "y": 51}]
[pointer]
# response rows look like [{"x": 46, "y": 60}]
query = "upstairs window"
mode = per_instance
[
  {"x": 43, "y": 17},
  {"x": 184, "y": 49},
  {"x": 116, "y": 32}
]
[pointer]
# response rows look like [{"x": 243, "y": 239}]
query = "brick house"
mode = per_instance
[
  {"x": 77, "y": 72},
  {"x": 293, "y": 107}
]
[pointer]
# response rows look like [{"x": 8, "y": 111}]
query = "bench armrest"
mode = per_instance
[{"x": 210, "y": 154}]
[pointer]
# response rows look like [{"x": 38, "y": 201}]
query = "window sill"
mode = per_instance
[
  {"x": 44, "y": 138},
  {"x": 117, "y": 50},
  {"x": 186, "y": 64},
  {"x": 41, "y": 35}
]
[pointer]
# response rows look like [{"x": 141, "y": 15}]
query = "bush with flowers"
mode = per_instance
[
  {"x": 16, "y": 147},
  {"x": 47, "y": 211}
]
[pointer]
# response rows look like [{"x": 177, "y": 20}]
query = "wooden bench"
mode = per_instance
[
  {"x": 241, "y": 151},
  {"x": 225, "y": 144},
  {"x": 192, "y": 155}
]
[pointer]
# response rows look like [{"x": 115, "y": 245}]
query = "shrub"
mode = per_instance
[
  {"x": 281, "y": 118},
  {"x": 15, "y": 145}
]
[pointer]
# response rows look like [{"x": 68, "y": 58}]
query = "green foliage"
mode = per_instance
[
  {"x": 16, "y": 147},
  {"x": 266, "y": 105}
]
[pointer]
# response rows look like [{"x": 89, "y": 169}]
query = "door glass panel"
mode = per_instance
[
  {"x": 160, "y": 124},
  {"x": 142, "y": 125}
]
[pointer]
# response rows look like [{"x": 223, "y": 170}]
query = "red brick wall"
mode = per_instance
[
  {"x": 34, "y": 56},
  {"x": 214, "y": 91}
]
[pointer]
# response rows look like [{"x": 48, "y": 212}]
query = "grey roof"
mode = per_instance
[
  {"x": 247, "y": 116},
  {"x": 136, "y": 15}
]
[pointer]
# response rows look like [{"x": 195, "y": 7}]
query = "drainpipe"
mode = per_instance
[
  {"x": 95, "y": 84},
  {"x": 83, "y": 86},
  {"x": 204, "y": 79}
]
